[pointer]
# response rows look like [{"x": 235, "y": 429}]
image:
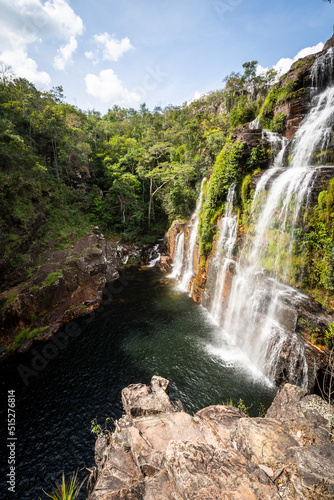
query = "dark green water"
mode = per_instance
[{"x": 144, "y": 328}]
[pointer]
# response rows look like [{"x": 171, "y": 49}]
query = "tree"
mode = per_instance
[{"x": 6, "y": 73}]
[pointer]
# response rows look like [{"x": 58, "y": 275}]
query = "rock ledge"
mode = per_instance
[{"x": 159, "y": 452}]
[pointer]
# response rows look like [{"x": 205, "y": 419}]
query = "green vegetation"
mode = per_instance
[
  {"x": 66, "y": 490},
  {"x": 9, "y": 301},
  {"x": 245, "y": 409},
  {"x": 226, "y": 170},
  {"x": 26, "y": 334},
  {"x": 316, "y": 246},
  {"x": 132, "y": 172},
  {"x": 52, "y": 278},
  {"x": 329, "y": 336},
  {"x": 97, "y": 429}
]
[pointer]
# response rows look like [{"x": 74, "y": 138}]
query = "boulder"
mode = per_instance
[
  {"x": 305, "y": 417},
  {"x": 149, "y": 437},
  {"x": 222, "y": 419},
  {"x": 315, "y": 466},
  {"x": 219, "y": 453},
  {"x": 201, "y": 472},
  {"x": 264, "y": 441},
  {"x": 140, "y": 399}
]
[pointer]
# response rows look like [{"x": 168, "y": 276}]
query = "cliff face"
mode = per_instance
[
  {"x": 160, "y": 452},
  {"x": 68, "y": 284},
  {"x": 284, "y": 282}
]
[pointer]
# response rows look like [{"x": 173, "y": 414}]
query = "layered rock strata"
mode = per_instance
[{"x": 68, "y": 284}]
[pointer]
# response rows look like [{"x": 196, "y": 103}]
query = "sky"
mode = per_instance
[{"x": 127, "y": 52}]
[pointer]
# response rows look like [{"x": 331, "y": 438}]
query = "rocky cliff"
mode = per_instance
[
  {"x": 159, "y": 452},
  {"x": 294, "y": 275},
  {"x": 66, "y": 284}
]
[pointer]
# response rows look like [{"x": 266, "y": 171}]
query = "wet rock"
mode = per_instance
[
  {"x": 295, "y": 110},
  {"x": 176, "y": 228},
  {"x": 165, "y": 263},
  {"x": 263, "y": 440}
]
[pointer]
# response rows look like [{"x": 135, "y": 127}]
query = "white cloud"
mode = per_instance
[
  {"x": 24, "y": 22},
  {"x": 197, "y": 96},
  {"x": 284, "y": 64},
  {"x": 89, "y": 55},
  {"x": 112, "y": 49},
  {"x": 25, "y": 67},
  {"x": 64, "y": 54},
  {"x": 109, "y": 88}
]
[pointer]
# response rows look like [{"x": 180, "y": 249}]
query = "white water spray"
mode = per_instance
[
  {"x": 254, "y": 316},
  {"x": 190, "y": 254},
  {"x": 218, "y": 266},
  {"x": 178, "y": 257}
]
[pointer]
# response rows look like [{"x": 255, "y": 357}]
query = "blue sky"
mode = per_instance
[{"x": 131, "y": 51}]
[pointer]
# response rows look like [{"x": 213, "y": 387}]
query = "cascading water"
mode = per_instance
[
  {"x": 178, "y": 257},
  {"x": 255, "y": 124},
  {"x": 258, "y": 317},
  {"x": 189, "y": 266},
  {"x": 254, "y": 316},
  {"x": 224, "y": 250},
  {"x": 321, "y": 71}
]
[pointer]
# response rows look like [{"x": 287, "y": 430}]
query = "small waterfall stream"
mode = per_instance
[
  {"x": 178, "y": 257},
  {"x": 257, "y": 317},
  {"x": 222, "y": 258},
  {"x": 189, "y": 264}
]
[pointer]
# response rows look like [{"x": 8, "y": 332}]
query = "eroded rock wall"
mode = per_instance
[{"x": 68, "y": 284}]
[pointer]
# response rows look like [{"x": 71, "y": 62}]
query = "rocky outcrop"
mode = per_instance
[
  {"x": 67, "y": 284},
  {"x": 158, "y": 451}
]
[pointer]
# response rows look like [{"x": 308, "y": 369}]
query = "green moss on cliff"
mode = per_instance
[{"x": 226, "y": 171}]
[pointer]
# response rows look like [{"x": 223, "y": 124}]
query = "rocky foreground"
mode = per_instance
[{"x": 159, "y": 452}]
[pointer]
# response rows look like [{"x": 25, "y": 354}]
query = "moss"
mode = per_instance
[
  {"x": 26, "y": 334},
  {"x": 72, "y": 260},
  {"x": 245, "y": 188},
  {"x": 278, "y": 123},
  {"x": 226, "y": 170},
  {"x": 325, "y": 157},
  {"x": 9, "y": 301},
  {"x": 52, "y": 278},
  {"x": 275, "y": 96}
]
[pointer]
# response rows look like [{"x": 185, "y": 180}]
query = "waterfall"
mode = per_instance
[
  {"x": 255, "y": 316},
  {"x": 219, "y": 264},
  {"x": 178, "y": 257},
  {"x": 255, "y": 124},
  {"x": 321, "y": 71},
  {"x": 154, "y": 260},
  {"x": 189, "y": 265}
]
